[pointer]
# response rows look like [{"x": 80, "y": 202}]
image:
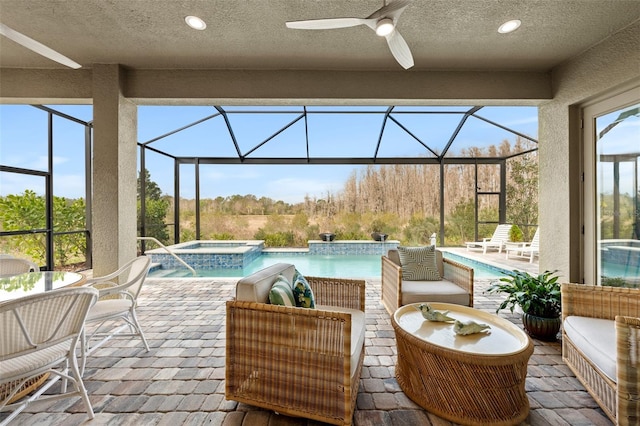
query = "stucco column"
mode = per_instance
[{"x": 114, "y": 171}]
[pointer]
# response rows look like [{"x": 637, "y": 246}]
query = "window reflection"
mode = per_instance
[{"x": 618, "y": 194}]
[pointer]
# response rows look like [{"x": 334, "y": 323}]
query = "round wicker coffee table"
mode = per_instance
[{"x": 476, "y": 379}]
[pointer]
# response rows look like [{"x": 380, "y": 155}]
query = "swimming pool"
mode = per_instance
[{"x": 351, "y": 266}]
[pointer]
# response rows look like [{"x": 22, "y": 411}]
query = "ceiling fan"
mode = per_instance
[
  {"x": 383, "y": 21},
  {"x": 37, "y": 47}
]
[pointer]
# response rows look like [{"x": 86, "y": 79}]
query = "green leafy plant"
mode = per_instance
[
  {"x": 515, "y": 233},
  {"x": 537, "y": 295}
]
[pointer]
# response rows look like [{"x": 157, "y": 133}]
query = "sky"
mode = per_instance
[{"x": 23, "y": 144}]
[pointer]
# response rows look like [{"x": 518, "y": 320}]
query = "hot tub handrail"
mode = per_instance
[{"x": 193, "y": 271}]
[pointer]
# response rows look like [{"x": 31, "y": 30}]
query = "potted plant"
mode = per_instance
[{"x": 539, "y": 298}]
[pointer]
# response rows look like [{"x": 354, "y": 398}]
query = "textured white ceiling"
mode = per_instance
[{"x": 251, "y": 34}]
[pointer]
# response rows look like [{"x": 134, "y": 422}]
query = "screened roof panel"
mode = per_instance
[
  {"x": 434, "y": 130},
  {"x": 251, "y": 130},
  {"x": 431, "y": 109},
  {"x": 209, "y": 138},
  {"x": 341, "y": 132},
  {"x": 290, "y": 142},
  {"x": 396, "y": 142},
  {"x": 523, "y": 120},
  {"x": 484, "y": 139},
  {"x": 174, "y": 118},
  {"x": 343, "y": 135}
]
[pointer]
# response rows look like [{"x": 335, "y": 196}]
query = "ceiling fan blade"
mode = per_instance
[
  {"x": 400, "y": 49},
  {"x": 326, "y": 24},
  {"x": 392, "y": 10},
  {"x": 37, "y": 47}
]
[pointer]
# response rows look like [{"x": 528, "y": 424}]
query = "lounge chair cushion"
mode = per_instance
[
  {"x": 442, "y": 291},
  {"x": 256, "y": 287},
  {"x": 302, "y": 291},
  {"x": 357, "y": 332},
  {"x": 596, "y": 338},
  {"x": 419, "y": 263},
  {"x": 281, "y": 292}
]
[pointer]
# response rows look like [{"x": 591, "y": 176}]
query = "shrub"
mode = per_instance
[{"x": 515, "y": 233}]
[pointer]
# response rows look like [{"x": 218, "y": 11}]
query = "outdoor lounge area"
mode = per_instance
[
  {"x": 125, "y": 64},
  {"x": 181, "y": 379}
]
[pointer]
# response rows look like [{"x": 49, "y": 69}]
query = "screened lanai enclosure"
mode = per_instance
[{"x": 456, "y": 171}]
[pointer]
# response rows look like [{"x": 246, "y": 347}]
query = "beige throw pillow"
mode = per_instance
[{"x": 419, "y": 263}]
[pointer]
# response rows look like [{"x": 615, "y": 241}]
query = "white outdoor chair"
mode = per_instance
[
  {"x": 117, "y": 303},
  {"x": 497, "y": 241},
  {"x": 528, "y": 250},
  {"x": 38, "y": 336},
  {"x": 13, "y": 266}
]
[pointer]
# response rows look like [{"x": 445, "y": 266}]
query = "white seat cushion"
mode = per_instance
[
  {"x": 357, "y": 332},
  {"x": 18, "y": 366},
  {"x": 108, "y": 307},
  {"x": 596, "y": 338},
  {"x": 433, "y": 291}
]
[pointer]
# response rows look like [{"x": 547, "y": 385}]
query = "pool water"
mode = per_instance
[{"x": 352, "y": 266}]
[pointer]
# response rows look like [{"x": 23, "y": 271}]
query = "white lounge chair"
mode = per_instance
[
  {"x": 497, "y": 241},
  {"x": 528, "y": 250}
]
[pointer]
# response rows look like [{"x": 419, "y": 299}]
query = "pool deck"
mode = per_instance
[
  {"x": 180, "y": 381},
  {"x": 498, "y": 260}
]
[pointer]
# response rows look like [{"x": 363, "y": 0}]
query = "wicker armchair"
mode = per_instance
[
  {"x": 296, "y": 361},
  {"x": 615, "y": 388},
  {"x": 455, "y": 287}
]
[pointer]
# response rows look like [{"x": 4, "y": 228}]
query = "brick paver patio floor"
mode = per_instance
[{"x": 181, "y": 380}]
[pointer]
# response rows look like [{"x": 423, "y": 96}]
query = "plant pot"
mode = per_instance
[
  {"x": 379, "y": 236},
  {"x": 541, "y": 328},
  {"x": 327, "y": 236}
]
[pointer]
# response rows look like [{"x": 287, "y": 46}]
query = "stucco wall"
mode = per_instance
[{"x": 601, "y": 70}]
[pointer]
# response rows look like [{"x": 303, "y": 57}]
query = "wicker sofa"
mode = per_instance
[
  {"x": 455, "y": 287},
  {"x": 601, "y": 345},
  {"x": 296, "y": 361}
]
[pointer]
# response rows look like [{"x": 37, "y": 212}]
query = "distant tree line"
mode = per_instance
[{"x": 401, "y": 200}]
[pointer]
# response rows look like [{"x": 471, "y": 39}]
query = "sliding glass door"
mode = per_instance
[{"x": 612, "y": 191}]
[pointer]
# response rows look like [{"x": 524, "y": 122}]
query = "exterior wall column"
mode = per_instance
[
  {"x": 602, "y": 70},
  {"x": 114, "y": 171}
]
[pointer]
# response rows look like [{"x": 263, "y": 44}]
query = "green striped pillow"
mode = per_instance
[
  {"x": 419, "y": 263},
  {"x": 281, "y": 292}
]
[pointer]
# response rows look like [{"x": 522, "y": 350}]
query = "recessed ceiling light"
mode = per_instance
[
  {"x": 509, "y": 26},
  {"x": 195, "y": 22},
  {"x": 384, "y": 27}
]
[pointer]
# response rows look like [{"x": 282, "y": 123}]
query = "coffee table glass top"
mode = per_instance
[
  {"x": 29, "y": 283},
  {"x": 503, "y": 338}
]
